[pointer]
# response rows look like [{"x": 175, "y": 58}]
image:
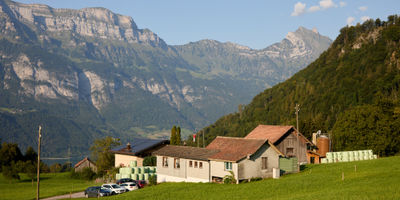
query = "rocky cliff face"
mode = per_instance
[{"x": 90, "y": 22}]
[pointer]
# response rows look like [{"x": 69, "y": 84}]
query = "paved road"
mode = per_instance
[{"x": 67, "y": 196}]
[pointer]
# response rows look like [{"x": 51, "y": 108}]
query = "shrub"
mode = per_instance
[
  {"x": 230, "y": 179},
  {"x": 150, "y": 161},
  {"x": 153, "y": 180},
  {"x": 86, "y": 174}
]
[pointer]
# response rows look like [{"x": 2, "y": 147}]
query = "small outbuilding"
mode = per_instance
[
  {"x": 313, "y": 157},
  {"x": 84, "y": 163}
]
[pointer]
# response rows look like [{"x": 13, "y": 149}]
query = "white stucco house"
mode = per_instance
[{"x": 246, "y": 158}]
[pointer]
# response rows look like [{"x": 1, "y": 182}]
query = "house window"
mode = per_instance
[
  {"x": 228, "y": 166},
  {"x": 195, "y": 164},
  {"x": 177, "y": 163},
  {"x": 312, "y": 160},
  {"x": 165, "y": 161},
  {"x": 289, "y": 151},
  {"x": 200, "y": 165},
  {"x": 190, "y": 163},
  {"x": 264, "y": 162}
]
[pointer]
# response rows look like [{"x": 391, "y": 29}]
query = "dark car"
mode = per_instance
[
  {"x": 124, "y": 180},
  {"x": 96, "y": 191}
]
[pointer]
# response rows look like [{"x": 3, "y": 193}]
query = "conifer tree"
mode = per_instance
[
  {"x": 178, "y": 136},
  {"x": 173, "y": 136}
]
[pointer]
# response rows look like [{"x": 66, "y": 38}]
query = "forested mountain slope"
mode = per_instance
[{"x": 361, "y": 68}]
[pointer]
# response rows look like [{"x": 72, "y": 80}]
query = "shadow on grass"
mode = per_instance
[{"x": 34, "y": 180}]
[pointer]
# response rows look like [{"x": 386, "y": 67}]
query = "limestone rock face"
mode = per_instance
[
  {"x": 90, "y": 22},
  {"x": 40, "y": 83}
]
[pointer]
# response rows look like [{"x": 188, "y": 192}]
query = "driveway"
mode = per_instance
[{"x": 67, "y": 196}]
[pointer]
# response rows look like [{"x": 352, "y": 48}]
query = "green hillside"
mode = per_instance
[
  {"x": 373, "y": 179},
  {"x": 361, "y": 68}
]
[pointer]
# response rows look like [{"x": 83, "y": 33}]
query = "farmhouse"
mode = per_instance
[
  {"x": 246, "y": 158},
  {"x": 285, "y": 139},
  {"x": 84, "y": 163},
  {"x": 183, "y": 163},
  {"x": 136, "y": 150}
]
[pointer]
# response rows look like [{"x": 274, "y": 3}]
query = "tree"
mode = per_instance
[
  {"x": 100, "y": 151},
  {"x": 30, "y": 155},
  {"x": 10, "y": 153},
  {"x": 10, "y": 172},
  {"x": 368, "y": 127},
  {"x": 178, "y": 139},
  {"x": 55, "y": 168},
  {"x": 150, "y": 161},
  {"x": 66, "y": 167},
  {"x": 30, "y": 170},
  {"x": 173, "y": 136}
]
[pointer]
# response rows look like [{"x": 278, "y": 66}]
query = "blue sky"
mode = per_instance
[{"x": 253, "y": 23}]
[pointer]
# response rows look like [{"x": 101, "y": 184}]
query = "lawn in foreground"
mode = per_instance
[
  {"x": 373, "y": 179},
  {"x": 51, "y": 184}
]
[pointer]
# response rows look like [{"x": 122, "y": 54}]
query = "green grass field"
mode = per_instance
[
  {"x": 51, "y": 184},
  {"x": 374, "y": 179}
]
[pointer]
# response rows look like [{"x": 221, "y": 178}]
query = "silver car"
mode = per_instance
[{"x": 114, "y": 188}]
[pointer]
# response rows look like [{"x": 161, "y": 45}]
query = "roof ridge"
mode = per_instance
[
  {"x": 276, "y": 125},
  {"x": 185, "y": 146},
  {"x": 241, "y": 138}
]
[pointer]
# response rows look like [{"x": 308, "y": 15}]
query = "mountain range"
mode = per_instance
[{"x": 84, "y": 74}]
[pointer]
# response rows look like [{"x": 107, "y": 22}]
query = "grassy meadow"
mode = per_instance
[
  {"x": 373, "y": 179},
  {"x": 51, "y": 184}
]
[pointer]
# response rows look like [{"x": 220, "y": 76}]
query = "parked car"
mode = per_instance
[
  {"x": 115, "y": 189},
  {"x": 124, "y": 180},
  {"x": 97, "y": 191},
  {"x": 141, "y": 184},
  {"x": 130, "y": 186}
]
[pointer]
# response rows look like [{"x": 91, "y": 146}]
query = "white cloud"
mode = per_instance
[
  {"x": 325, "y": 4},
  {"x": 365, "y": 18},
  {"x": 342, "y": 4},
  {"x": 299, "y": 9},
  {"x": 363, "y": 8},
  {"x": 314, "y": 8},
  {"x": 350, "y": 21}
]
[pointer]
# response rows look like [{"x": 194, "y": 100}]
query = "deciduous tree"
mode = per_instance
[{"x": 100, "y": 151}]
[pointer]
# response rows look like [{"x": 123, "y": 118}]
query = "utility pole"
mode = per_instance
[
  {"x": 198, "y": 135},
  {"x": 298, "y": 136},
  {"x": 69, "y": 156},
  {"x": 38, "y": 163}
]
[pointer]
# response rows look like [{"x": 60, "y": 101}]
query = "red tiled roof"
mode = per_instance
[
  {"x": 234, "y": 149},
  {"x": 269, "y": 132}
]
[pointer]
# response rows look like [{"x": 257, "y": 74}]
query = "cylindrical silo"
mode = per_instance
[{"x": 323, "y": 145}]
